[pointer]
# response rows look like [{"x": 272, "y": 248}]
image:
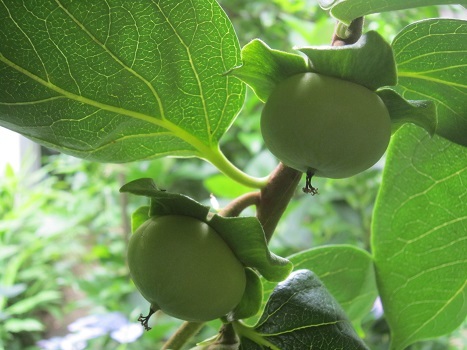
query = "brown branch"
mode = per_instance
[
  {"x": 275, "y": 197},
  {"x": 348, "y": 35},
  {"x": 239, "y": 204}
]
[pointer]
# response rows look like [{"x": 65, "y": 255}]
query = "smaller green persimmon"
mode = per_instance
[
  {"x": 325, "y": 126},
  {"x": 183, "y": 267}
]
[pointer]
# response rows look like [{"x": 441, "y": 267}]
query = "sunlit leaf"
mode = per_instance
[
  {"x": 419, "y": 236},
  {"x": 119, "y": 81},
  {"x": 348, "y": 10},
  {"x": 431, "y": 57},
  {"x": 346, "y": 271}
]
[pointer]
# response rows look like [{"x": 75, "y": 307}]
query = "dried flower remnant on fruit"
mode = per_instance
[
  {"x": 309, "y": 189},
  {"x": 144, "y": 320}
]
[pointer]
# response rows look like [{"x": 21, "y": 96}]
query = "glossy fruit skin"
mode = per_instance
[
  {"x": 184, "y": 268},
  {"x": 331, "y": 127}
]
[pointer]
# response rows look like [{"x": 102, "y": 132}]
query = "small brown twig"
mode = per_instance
[
  {"x": 239, "y": 204},
  {"x": 347, "y": 35}
]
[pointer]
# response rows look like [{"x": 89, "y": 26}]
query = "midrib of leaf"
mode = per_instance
[
  {"x": 419, "y": 75},
  {"x": 204, "y": 150}
]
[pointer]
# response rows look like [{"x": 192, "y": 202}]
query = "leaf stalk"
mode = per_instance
[{"x": 186, "y": 331}]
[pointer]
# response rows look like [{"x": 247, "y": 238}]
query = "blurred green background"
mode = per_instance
[{"x": 64, "y": 227}]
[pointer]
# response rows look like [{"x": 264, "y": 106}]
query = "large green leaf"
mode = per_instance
[
  {"x": 419, "y": 236},
  {"x": 431, "y": 57},
  {"x": 347, "y": 10},
  {"x": 348, "y": 274},
  {"x": 346, "y": 271},
  {"x": 118, "y": 81},
  {"x": 301, "y": 314}
]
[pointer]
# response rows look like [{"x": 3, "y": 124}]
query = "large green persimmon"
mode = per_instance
[
  {"x": 325, "y": 126},
  {"x": 183, "y": 267}
]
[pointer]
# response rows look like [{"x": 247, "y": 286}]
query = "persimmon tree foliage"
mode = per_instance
[{"x": 119, "y": 81}]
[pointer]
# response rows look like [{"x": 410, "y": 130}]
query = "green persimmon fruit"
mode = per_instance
[
  {"x": 330, "y": 127},
  {"x": 183, "y": 267}
]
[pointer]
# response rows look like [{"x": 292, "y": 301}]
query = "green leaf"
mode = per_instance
[
  {"x": 166, "y": 203},
  {"x": 327, "y": 4},
  {"x": 301, "y": 314},
  {"x": 432, "y": 64},
  {"x": 346, "y": 271},
  {"x": 401, "y": 111},
  {"x": 26, "y": 305},
  {"x": 348, "y": 10},
  {"x": 222, "y": 186},
  {"x": 17, "y": 325},
  {"x": 119, "y": 82},
  {"x": 141, "y": 187},
  {"x": 12, "y": 291},
  {"x": 348, "y": 274},
  {"x": 245, "y": 236},
  {"x": 419, "y": 239},
  {"x": 263, "y": 68},
  {"x": 139, "y": 216},
  {"x": 252, "y": 298},
  {"x": 368, "y": 62}
]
